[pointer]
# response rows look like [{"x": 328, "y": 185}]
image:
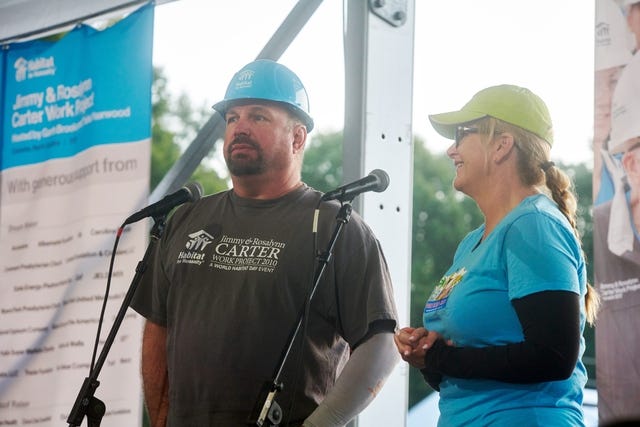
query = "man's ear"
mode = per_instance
[
  {"x": 299, "y": 137},
  {"x": 630, "y": 164}
]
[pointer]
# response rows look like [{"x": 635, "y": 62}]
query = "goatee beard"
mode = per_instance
[{"x": 243, "y": 165}]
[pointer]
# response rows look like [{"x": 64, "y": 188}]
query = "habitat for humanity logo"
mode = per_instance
[
  {"x": 32, "y": 68},
  {"x": 244, "y": 79},
  {"x": 195, "y": 248},
  {"x": 603, "y": 34}
]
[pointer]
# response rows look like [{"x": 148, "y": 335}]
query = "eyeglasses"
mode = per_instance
[{"x": 462, "y": 132}]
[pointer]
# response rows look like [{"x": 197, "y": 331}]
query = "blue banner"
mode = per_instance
[{"x": 65, "y": 96}]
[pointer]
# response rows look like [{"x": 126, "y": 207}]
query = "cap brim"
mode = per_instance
[
  {"x": 446, "y": 123},
  {"x": 222, "y": 107},
  {"x": 627, "y": 145}
]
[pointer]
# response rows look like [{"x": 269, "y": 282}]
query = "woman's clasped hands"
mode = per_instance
[{"x": 413, "y": 344}]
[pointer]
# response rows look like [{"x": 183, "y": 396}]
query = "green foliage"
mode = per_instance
[
  {"x": 164, "y": 150},
  {"x": 322, "y": 167},
  {"x": 583, "y": 185},
  {"x": 174, "y": 124}
]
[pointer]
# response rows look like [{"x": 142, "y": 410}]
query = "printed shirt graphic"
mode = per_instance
[
  {"x": 440, "y": 294},
  {"x": 247, "y": 254},
  {"x": 195, "y": 248},
  {"x": 227, "y": 253}
]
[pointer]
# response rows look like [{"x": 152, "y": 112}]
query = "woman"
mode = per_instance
[{"x": 502, "y": 336}]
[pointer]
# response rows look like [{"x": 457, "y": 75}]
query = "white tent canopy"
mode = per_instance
[{"x": 24, "y": 19}]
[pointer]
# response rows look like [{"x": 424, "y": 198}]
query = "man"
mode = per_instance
[
  {"x": 612, "y": 53},
  {"x": 617, "y": 260},
  {"x": 232, "y": 273}
]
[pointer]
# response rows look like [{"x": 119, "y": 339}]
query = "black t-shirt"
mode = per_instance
[{"x": 229, "y": 280}]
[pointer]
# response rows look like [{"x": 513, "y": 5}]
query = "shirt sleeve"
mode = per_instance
[
  {"x": 549, "y": 351},
  {"x": 364, "y": 291},
  {"x": 541, "y": 254}
]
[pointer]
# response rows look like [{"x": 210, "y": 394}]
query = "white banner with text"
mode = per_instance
[{"x": 75, "y": 162}]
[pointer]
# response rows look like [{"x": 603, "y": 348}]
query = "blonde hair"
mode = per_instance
[{"x": 535, "y": 169}]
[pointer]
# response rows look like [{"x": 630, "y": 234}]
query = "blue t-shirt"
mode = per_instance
[{"x": 532, "y": 249}]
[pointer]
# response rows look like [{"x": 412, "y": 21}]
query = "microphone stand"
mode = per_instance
[
  {"x": 86, "y": 403},
  {"x": 270, "y": 413}
]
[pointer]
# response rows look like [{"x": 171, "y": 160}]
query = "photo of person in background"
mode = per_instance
[
  {"x": 612, "y": 52},
  {"x": 616, "y": 231}
]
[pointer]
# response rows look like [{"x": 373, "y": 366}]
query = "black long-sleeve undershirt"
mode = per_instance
[{"x": 551, "y": 326}]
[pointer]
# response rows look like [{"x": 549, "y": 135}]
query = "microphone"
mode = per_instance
[
  {"x": 189, "y": 193},
  {"x": 377, "y": 181}
]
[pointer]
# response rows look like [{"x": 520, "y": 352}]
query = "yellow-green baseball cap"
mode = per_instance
[{"x": 512, "y": 104}]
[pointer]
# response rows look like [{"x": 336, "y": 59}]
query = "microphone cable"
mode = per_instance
[
  {"x": 106, "y": 298},
  {"x": 299, "y": 364}
]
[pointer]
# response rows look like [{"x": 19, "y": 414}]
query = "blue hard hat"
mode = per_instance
[{"x": 265, "y": 79}]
